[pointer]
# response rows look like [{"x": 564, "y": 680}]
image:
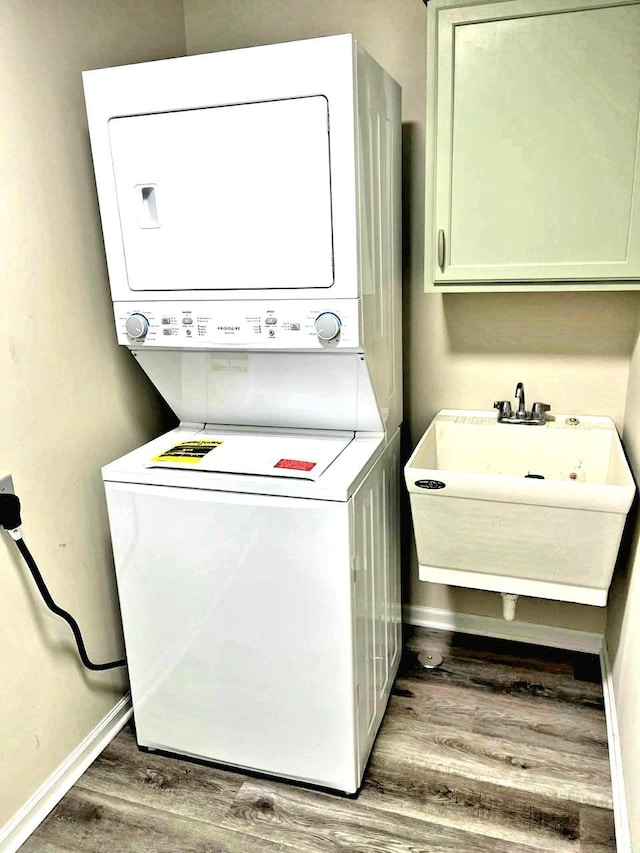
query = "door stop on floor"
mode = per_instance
[{"x": 430, "y": 660}]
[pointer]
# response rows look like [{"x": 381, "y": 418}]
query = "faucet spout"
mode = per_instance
[{"x": 537, "y": 416}]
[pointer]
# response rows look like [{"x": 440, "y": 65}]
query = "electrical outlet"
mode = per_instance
[{"x": 6, "y": 485}]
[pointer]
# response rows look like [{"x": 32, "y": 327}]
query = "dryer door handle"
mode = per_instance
[{"x": 147, "y": 205}]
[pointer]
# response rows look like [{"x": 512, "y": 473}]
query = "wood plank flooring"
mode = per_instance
[{"x": 502, "y": 749}]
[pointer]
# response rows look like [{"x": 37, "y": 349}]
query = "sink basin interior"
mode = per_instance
[{"x": 464, "y": 442}]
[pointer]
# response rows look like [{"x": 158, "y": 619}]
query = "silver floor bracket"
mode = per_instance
[{"x": 430, "y": 660}]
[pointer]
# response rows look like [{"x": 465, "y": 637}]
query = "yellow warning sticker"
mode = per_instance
[{"x": 190, "y": 452}]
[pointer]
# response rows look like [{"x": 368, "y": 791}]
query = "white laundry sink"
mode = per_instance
[{"x": 529, "y": 510}]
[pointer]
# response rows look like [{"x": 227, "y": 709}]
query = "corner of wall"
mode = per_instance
[{"x": 623, "y": 617}]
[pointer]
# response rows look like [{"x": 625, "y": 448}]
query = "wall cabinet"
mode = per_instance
[{"x": 533, "y": 172}]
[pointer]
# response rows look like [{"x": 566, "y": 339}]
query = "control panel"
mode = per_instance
[{"x": 277, "y": 325}]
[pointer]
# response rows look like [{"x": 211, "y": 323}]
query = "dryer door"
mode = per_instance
[{"x": 226, "y": 198}]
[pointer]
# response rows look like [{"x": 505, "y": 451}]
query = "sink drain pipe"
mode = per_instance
[{"x": 509, "y": 601}]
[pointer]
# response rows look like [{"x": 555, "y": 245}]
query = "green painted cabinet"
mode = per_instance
[{"x": 533, "y": 156}]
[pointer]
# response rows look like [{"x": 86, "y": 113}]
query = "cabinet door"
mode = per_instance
[{"x": 536, "y": 151}]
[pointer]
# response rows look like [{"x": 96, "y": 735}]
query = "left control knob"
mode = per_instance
[{"x": 137, "y": 326}]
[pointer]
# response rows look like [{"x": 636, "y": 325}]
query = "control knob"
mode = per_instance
[
  {"x": 327, "y": 326},
  {"x": 137, "y": 326}
]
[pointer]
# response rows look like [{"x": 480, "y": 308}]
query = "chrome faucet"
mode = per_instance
[
  {"x": 519, "y": 395},
  {"x": 506, "y": 415}
]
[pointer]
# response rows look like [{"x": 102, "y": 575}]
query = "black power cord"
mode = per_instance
[{"x": 11, "y": 521}]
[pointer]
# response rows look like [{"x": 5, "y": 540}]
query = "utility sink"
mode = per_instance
[{"x": 527, "y": 510}]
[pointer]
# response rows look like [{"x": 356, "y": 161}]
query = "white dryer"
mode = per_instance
[{"x": 250, "y": 209}]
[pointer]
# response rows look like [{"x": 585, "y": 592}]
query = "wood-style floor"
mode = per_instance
[{"x": 503, "y": 749}]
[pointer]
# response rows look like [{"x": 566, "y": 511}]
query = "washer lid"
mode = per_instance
[{"x": 275, "y": 454}]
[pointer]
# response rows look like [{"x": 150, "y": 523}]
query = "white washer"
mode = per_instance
[
  {"x": 261, "y": 614},
  {"x": 250, "y": 203}
]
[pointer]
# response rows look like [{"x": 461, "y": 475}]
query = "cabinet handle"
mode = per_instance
[{"x": 441, "y": 249}]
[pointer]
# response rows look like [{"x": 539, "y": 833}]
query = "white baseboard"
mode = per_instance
[
  {"x": 34, "y": 811},
  {"x": 490, "y": 626},
  {"x": 620, "y": 813}
]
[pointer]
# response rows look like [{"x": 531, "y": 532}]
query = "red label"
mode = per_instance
[{"x": 295, "y": 465}]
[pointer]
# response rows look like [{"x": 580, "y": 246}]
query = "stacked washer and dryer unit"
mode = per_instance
[{"x": 250, "y": 204}]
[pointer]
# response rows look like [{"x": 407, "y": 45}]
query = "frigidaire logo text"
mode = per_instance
[{"x": 228, "y": 328}]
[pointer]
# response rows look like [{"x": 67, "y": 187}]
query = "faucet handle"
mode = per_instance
[
  {"x": 504, "y": 408},
  {"x": 539, "y": 409}
]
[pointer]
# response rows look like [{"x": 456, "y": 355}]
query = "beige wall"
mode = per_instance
[
  {"x": 71, "y": 399},
  {"x": 623, "y": 621},
  {"x": 571, "y": 350}
]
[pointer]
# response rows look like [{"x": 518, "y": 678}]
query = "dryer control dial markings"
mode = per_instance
[
  {"x": 327, "y": 326},
  {"x": 137, "y": 326}
]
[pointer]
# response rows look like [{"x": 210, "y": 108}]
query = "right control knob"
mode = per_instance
[{"x": 327, "y": 326}]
